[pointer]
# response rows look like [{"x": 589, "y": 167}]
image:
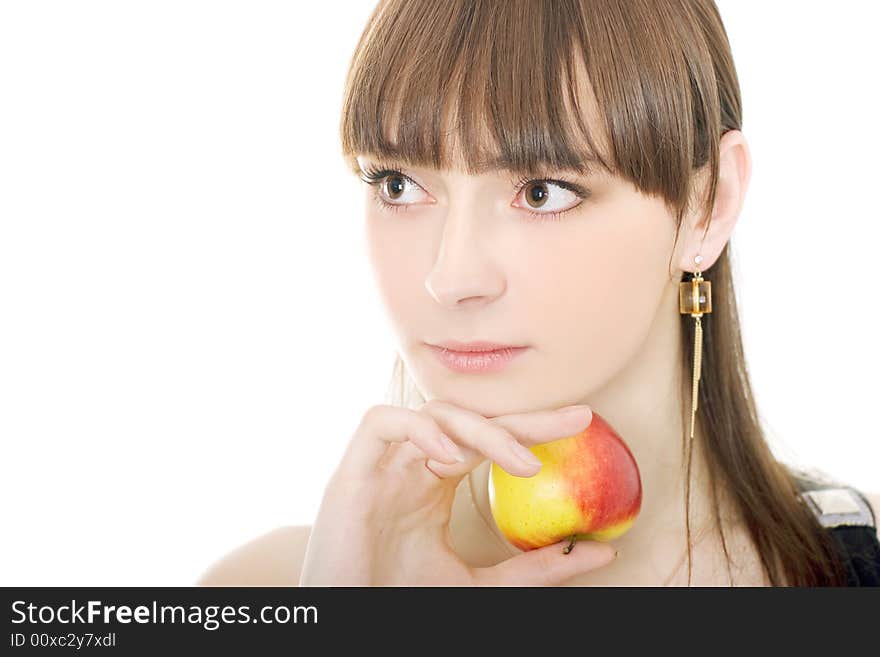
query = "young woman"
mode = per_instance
[{"x": 544, "y": 175}]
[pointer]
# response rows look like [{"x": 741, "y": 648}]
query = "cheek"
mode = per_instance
[
  {"x": 397, "y": 271},
  {"x": 597, "y": 294}
]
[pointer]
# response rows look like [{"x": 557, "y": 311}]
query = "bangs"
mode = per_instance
[
  {"x": 436, "y": 84},
  {"x": 630, "y": 87}
]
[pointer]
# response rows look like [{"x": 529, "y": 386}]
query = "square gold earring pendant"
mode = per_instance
[
  {"x": 695, "y": 299},
  {"x": 695, "y": 296}
]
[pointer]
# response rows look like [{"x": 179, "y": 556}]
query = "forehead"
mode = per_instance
[{"x": 490, "y": 115}]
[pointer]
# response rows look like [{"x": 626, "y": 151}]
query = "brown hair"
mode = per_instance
[{"x": 663, "y": 82}]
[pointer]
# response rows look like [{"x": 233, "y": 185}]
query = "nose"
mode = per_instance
[{"x": 465, "y": 272}]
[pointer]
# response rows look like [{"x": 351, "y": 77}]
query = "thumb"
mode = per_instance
[{"x": 548, "y": 565}]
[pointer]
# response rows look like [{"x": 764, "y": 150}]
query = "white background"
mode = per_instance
[{"x": 188, "y": 326}]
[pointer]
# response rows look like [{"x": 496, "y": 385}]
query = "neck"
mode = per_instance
[{"x": 644, "y": 404}]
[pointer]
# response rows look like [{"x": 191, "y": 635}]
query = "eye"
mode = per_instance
[
  {"x": 549, "y": 195},
  {"x": 390, "y": 187}
]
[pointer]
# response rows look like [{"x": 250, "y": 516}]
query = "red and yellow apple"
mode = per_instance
[{"x": 588, "y": 488}]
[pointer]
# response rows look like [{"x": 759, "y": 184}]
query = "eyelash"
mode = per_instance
[{"x": 375, "y": 175}]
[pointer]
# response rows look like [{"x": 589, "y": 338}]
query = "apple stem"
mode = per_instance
[{"x": 568, "y": 547}]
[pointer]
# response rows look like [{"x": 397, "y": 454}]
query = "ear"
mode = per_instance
[{"x": 707, "y": 236}]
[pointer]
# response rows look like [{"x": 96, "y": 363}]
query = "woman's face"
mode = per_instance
[{"x": 461, "y": 258}]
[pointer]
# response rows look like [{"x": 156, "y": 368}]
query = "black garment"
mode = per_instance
[{"x": 850, "y": 519}]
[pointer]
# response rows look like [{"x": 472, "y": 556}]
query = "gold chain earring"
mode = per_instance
[{"x": 695, "y": 299}]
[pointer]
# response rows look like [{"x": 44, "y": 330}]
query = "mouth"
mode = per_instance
[{"x": 476, "y": 356}]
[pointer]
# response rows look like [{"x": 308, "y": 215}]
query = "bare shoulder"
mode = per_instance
[{"x": 271, "y": 559}]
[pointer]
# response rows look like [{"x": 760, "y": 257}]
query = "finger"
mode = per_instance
[
  {"x": 547, "y": 566},
  {"x": 519, "y": 430},
  {"x": 384, "y": 424},
  {"x": 544, "y": 426},
  {"x": 479, "y": 439}
]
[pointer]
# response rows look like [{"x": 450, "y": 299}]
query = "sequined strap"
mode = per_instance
[{"x": 834, "y": 503}]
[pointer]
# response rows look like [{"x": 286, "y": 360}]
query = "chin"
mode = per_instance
[{"x": 489, "y": 403}]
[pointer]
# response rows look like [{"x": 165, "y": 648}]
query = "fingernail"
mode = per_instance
[
  {"x": 524, "y": 453},
  {"x": 451, "y": 448}
]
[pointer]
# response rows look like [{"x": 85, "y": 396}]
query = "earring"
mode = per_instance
[{"x": 695, "y": 299}]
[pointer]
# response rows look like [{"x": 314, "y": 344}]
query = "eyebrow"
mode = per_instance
[
  {"x": 496, "y": 164},
  {"x": 588, "y": 164}
]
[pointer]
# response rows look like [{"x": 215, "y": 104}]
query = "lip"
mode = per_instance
[
  {"x": 478, "y": 345},
  {"x": 476, "y": 356}
]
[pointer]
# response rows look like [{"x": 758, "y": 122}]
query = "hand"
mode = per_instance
[{"x": 384, "y": 516}]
